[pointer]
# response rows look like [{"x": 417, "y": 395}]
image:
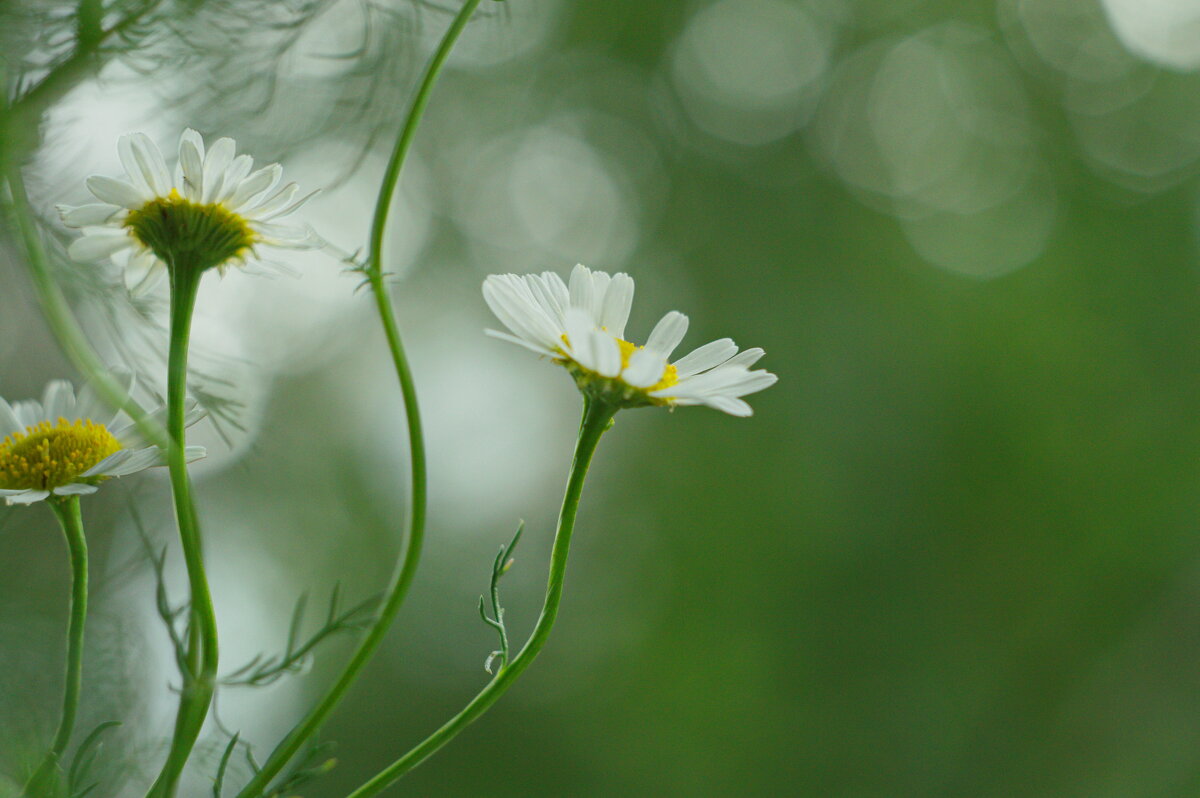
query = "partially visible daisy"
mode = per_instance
[
  {"x": 215, "y": 213},
  {"x": 56, "y": 447},
  {"x": 582, "y": 327}
]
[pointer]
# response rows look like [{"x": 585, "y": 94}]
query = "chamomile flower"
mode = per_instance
[
  {"x": 215, "y": 212},
  {"x": 582, "y": 327},
  {"x": 56, "y": 447}
]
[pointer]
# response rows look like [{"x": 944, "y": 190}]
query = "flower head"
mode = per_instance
[
  {"x": 582, "y": 327},
  {"x": 55, "y": 447},
  {"x": 215, "y": 213}
]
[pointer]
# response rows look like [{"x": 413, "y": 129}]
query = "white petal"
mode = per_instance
[
  {"x": 138, "y": 461},
  {"x": 26, "y": 497},
  {"x": 544, "y": 297},
  {"x": 600, "y": 283},
  {"x": 508, "y": 306},
  {"x": 751, "y": 382},
  {"x": 747, "y": 358},
  {"x": 132, "y": 169},
  {"x": 261, "y": 181},
  {"x": 28, "y": 412},
  {"x": 646, "y": 367},
  {"x": 264, "y": 215},
  {"x": 75, "y": 489},
  {"x": 579, "y": 337},
  {"x": 717, "y": 381},
  {"x": 667, "y": 334},
  {"x": 110, "y": 465},
  {"x": 706, "y": 357},
  {"x": 118, "y": 192},
  {"x": 58, "y": 400},
  {"x": 98, "y": 244},
  {"x": 607, "y": 354},
  {"x": 144, "y": 163},
  {"x": 86, "y": 215},
  {"x": 143, "y": 272},
  {"x": 195, "y": 139},
  {"x": 275, "y": 202},
  {"x": 216, "y": 161},
  {"x": 191, "y": 165},
  {"x": 150, "y": 158},
  {"x": 581, "y": 289},
  {"x": 287, "y": 236},
  {"x": 723, "y": 381},
  {"x": 261, "y": 267},
  {"x": 510, "y": 299},
  {"x": 730, "y": 405},
  {"x": 89, "y": 405},
  {"x": 512, "y": 339},
  {"x": 234, "y": 176},
  {"x": 8, "y": 420},
  {"x": 131, "y": 438},
  {"x": 554, "y": 295},
  {"x": 614, "y": 312}
]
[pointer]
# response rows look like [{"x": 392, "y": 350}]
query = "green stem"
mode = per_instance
[
  {"x": 202, "y": 656},
  {"x": 596, "y": 419},
  {"x": 406, "y": 567},
  {"x": 417, "y": 110},
  {"x": 62, "y": 320},
  {"x": 69, "y": 518},
  {"x": 498, "y": 614},
  {"x": 19, "y": 123}
]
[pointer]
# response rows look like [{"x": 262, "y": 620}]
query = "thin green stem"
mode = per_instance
[
  {"x": 202, "y": 656},
  {"x": 406, "y": 566},
  {"x": 597, "y": 417},
  {"x": 71, "y": 521},
  {"x": 498, "y": 614},
  {"x": 417, "y": 110},
  {"x": 62, "y": 320}
]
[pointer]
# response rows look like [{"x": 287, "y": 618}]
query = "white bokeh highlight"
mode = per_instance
[
  {"x": 750, "y": 71},
  {"x": 1164, "y": 32}
]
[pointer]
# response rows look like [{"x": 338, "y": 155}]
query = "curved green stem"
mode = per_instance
[
  {"x": 406, "y": 567},
  {"x": 69, "y": 518},
  {"x": 62, "y": 320},
  {"x": 596, "y": 419},
  {"x": 417, "y": 110},
  {"x": 202, "y": 656}
]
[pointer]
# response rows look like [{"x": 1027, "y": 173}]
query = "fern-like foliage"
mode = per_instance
[{"x": 264, "y": 670}]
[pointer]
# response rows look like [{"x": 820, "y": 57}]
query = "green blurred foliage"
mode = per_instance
[{"x": 954, "y": 553}]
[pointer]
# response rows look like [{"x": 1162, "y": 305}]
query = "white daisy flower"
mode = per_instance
[
  {"x": 55, "y": 447},
  {"x": 216, "y": 211},
  {"x": 582, "y": 327}
]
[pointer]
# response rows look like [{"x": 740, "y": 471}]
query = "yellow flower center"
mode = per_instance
[
  {"x": 616, "y": 390},
  {"x": 50, "y": 456},
  {"x": 186, "y": 234},
  {"x": 670, "y": 375}
]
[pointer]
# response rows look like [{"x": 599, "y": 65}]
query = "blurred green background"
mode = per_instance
[{"x": 955, "y": 553}]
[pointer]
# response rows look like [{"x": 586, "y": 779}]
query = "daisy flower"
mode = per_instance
[
  {"x": 214, "y": 213},
  {"x": 55, "y": 447},
  {"x": 582, "y": 327}
]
